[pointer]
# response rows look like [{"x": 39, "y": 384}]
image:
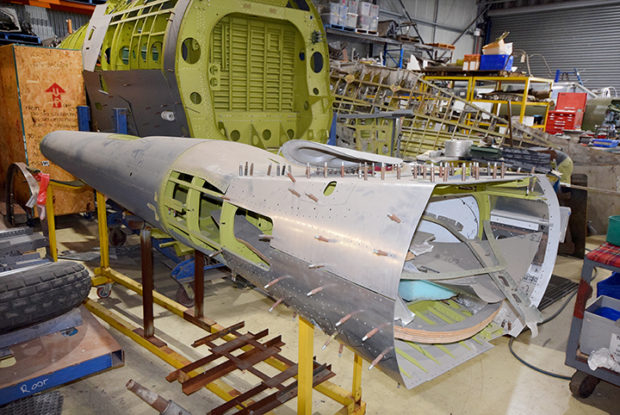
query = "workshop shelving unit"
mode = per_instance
[
  {"x": 474, "y": 83},
  {"x": 393, "y": 50},
  {"x": 391, "y": 47}
]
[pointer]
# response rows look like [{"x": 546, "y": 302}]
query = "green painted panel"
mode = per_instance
[{"x": 255, "y": 72}]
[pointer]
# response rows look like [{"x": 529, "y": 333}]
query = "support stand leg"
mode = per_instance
[
  {"x": 305, "y": 367},
  {"x": 199, "y": 284},
  {"x": 357, "y": 378},
  {"x": 102, "y": 222},
  {"x": 147, "y": 281},
  {"x": 51, "y": 223}
]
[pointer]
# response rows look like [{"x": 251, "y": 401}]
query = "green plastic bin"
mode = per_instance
[{"x": 613, "y": 230}]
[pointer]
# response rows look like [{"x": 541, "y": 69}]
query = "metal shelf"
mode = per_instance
[{"x": 361, "y": 36}]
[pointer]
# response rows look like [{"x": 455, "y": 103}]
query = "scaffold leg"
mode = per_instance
[{"x": 305, "y": 362}]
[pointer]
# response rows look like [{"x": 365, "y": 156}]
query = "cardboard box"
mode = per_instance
[
  {"x": 330, "y": 18},
  {"x": 353, "y": 5},
  {"x": 471, "y": 65},
  {"x": 364, "y": 8},
  {"x": 374, "y": 10},
  {"x": 471, "y": 62},
  {"x": 40, "y": 89},
  {"x": 338, "y": 9},
  {"x": 363, "y": 22},
  {"x": 497, "y": 48},
  {"x": 374, "y": 24},
  {"x": 351, "y": 20}
]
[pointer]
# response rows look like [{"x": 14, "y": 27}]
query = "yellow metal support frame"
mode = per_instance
[
  {"x": 352, "y": 403},
  {"x": 524, "y": 102},
  {"x": 51, "y": 222},
  {"x": 305, "y": 367}
]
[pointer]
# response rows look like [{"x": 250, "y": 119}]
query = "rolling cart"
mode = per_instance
[{"x": 585, "y": 379}]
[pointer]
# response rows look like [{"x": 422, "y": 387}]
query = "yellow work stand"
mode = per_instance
[
  {"x": 351, "y": 401},
  {"x": 497, "y": 82}
]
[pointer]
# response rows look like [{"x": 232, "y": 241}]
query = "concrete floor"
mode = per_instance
[{"x": 492, "y": 383}]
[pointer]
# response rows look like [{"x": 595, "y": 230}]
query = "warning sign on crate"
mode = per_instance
[{"x": 56, "y": 91}]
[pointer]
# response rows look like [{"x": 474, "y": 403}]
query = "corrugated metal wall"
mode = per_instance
[
  {"x": 452, "y": 17},
  {"x": 48, "y": 23},
  {"x": 586, "y": 38}
]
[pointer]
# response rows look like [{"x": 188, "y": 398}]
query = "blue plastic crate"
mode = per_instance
[
  {"x": 603, "y": 142},
  {"x": 496, "y": 62},
  {"x": 609, "y": 287}
]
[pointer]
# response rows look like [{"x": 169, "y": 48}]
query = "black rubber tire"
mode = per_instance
[
  {"x": 39, "y": 294},
  {"x": 117, "y": 237},
  {"x": 582, "y": 385}
]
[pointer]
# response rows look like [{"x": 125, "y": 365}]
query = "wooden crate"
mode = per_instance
[{"x": 40, "y": 89}]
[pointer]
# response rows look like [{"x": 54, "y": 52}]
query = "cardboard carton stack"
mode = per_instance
[
  {"x": 471, "y": 62},
  {"x": 368, "y": 19},
  {"x": 334, "y": 13},
  {"x": 353, "y": 14}
]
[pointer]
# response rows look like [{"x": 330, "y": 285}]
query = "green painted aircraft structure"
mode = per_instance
[{"x": 251, "y": 71}]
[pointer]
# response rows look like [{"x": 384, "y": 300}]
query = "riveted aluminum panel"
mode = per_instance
[{"x": 329, "y": 232}]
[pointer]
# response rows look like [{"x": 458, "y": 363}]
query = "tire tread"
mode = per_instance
[{"x": 41, "y": 293}]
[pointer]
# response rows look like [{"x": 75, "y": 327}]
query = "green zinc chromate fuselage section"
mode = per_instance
[{"x": 256, "y": 72}]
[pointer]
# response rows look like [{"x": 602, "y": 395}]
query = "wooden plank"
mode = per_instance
[
  {"x": 238, "y": 400},
  {"x": 50, "y": 88},
  {"x": 426, "y": 336},
  {"x": 319, "y": 375},
  {"x": 218, "y": 334},
  {"x": 11, "y": 141},
  {"x": 281, "y": 377},
  {"x": 254, "y": 356},
  {"x": 222, "y": 351},
  {"x": 237, "y": 342}
]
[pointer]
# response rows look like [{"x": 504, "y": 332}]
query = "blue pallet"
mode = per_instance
[
  {"x": 184, "y": 271},
  {"x": 9, "y": 37},
  {"x": 339, "y": 27},
  {"x": 604, "y": 142}
]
